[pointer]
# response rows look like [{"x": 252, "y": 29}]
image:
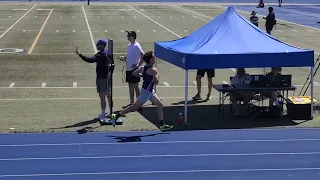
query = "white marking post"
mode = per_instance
[
  {"x": 5, "y": 32},
  {"x": 11, "y": 85},
  {"x": 43, "y": 85},
  {"x": 90, "y": 32},
  {"x": 75, "y": 84},
  {"x": 166, "y": 83}
]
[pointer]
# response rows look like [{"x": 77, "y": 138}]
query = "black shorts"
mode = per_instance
[
  {"x": 210, "y": 72},
  {"x": 130, "y": 78}
]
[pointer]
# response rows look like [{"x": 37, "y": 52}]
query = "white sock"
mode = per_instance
[{"x": 103, "y": 112}]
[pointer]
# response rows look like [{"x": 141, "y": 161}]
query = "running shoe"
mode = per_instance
[
  {"x": 166, "y": 127},
  {"x": 197, "y": 97}
]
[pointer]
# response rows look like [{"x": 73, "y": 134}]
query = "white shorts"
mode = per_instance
[{"x": 145, "y": 96}]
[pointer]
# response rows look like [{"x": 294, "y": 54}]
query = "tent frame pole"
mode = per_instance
[
  {"x": 186, "y": 98},
  {"x": 312, "y": 83}
]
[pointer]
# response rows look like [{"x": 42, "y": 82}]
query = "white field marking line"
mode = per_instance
[
  {"x": 74, "y": 84},
  {"x": 43, "y": 85},
  {"x": 225, "y": 82},
  {"x": 158, "y": 155},
  {"x": 315, "y": 83},
  {"x": 159, "y": 142},
  {"x": 154, "y": 21},
  {"x": 38, "y": 35},
  {"x": 166, "y": 83},
  {"x": 200, "y": 18},
  {"x": 11, "y": 85},
  {"x": 5, "y": 32},
  {"x": 159, "y": 172},
  {"x": 243, "y": 12},
  {"x": 92, "y": 87},
  {"x": 61, "y": 99},
  {"x": 90, "y": 32}
]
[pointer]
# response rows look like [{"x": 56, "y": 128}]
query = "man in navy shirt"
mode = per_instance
[
  {"x": 270, "y": 20},
  {"x": 103, "y": 61}
]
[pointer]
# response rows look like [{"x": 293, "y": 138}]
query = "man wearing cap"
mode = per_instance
[
  {"x": 133, "y": 61},
  {"x": 103, "y": 61}
]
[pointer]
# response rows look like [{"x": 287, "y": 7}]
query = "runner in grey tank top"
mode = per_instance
[{"x": 150, "y": 78}]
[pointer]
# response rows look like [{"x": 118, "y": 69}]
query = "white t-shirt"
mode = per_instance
[
  {"x": 134, "y": 51},
  {"x": 243, "y": 81}
]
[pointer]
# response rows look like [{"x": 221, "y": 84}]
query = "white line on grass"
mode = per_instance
[
  {"x": 155, "y": 21},
  {"x": 93, "y": 43},
  {"x": 43, "y": 85},
  {"x": 162, "y": 172},
  {"x": 166, "y": 83},
  {"x": 162, "y": 156},
  {"x": 11, "y": 85},
  {"x": 92, "y": 87},
  {"x": 37, "y": 38},
  {"x": 162, "y": 142},
  {"x": 5, "y": 32}
]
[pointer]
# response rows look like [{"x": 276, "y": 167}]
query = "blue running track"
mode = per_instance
[{"x": 277, "y": 154}]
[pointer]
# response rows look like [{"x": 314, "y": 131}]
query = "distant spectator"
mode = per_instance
[
  {"x": 200, "y": 75},
  {"x": 270, "y": 20},
  {"x": 261, "y": 4},
  {"x": 254, "y": 18},
  {"x": 280, "y": 2}
]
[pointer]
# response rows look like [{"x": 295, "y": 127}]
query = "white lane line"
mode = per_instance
[
  {"x": 43, "y": 85},
  {"x": 161, "y": 155},
  {"x": 294, "y": 30},
  {"x": 162, "y": 172},
  {"x": 11, "y": 85},
  {"x": 185, "y": 31},
  {"x": 225, "y": 82},
  {"x": 92, "y": 87},
  {"x": 90, "y": 32},
  {"x": 75, "y": 84},
  {"x": 5, "y": 32},
  {"x": 154, "y": 21},
  {"x": 166, "y": 83},
  {"x": 161, "y": 142},
  {"x": 200, "y": 19},
  {"x": 310, "y": 30},
  {"x": 315, "y": 83}
]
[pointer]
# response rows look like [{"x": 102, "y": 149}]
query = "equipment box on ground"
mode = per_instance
[{"x": 299, "y": 107}]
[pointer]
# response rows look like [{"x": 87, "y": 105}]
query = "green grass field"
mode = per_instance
[{"x": 48, "y": 88}]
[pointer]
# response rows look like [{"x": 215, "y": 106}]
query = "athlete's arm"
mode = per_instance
[
  {"x": 155, "y": 76},
  {"x": 138, "y": 72}
]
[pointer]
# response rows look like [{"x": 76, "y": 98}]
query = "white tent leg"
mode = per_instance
[
  {"x": 186, "y": 98},
  {"x": 312, "y": 83}
]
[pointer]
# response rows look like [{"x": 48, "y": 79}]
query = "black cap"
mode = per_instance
[{"x": 132, "y": 33}]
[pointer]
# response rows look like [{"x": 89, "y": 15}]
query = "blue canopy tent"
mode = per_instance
[{"x": 231, "y": 41}]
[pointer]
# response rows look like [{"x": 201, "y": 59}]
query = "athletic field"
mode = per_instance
[{"x": 49, "y": 88}]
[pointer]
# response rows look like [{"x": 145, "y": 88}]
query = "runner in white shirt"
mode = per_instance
[{"x": 133, "y": 62}]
